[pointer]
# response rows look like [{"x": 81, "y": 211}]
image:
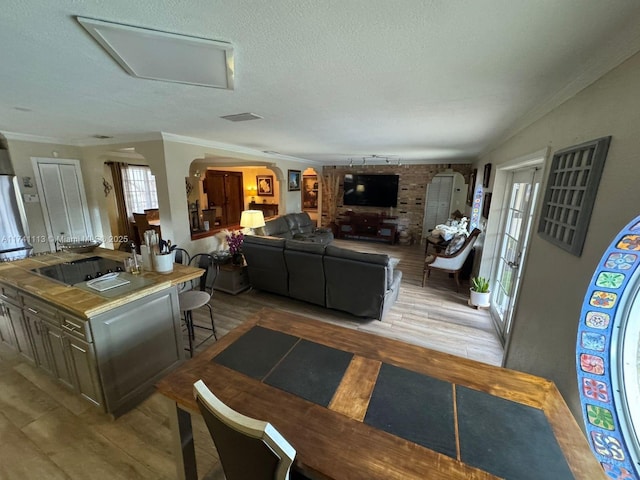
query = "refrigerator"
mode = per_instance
[{"x": 14, "y": 233}]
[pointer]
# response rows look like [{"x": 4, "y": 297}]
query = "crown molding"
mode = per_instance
[
  {"x": 232, "y": 149},
  {"x": 27, "y": 137},
  {"x": 119, "y": 139},
  {"x": 85, "y": 142}
]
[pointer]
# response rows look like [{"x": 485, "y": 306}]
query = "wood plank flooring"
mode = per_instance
[{"x": 48, "y": 432}]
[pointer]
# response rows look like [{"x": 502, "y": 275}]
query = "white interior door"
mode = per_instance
[
  {"x": 438, "y": 204},
  {"x": 520, "y": 199},
  {"x": 63, "y": 200}
]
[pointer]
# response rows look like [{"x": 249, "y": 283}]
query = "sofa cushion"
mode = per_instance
[
  {"x": 455, "y": 244},
  {"x": 292, "y": 222},
  {"x": 276, "y": 227},
  {"x": 305, "y": 224},
  {"x": 302, "y": 246},
  {"x": 305, "y": 229},
  {"x": 305, "y": 263},
  {"x": 276, "y": 242},
  {"x": 377, "y": 258},
  {"x": 299, "y": 222},
  {"x": 266, "y": 265}
]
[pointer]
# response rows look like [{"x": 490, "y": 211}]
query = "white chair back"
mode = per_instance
[{"x": 248, "y": 448}]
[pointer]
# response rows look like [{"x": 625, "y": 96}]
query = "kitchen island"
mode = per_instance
[{"x": 110, "y": 347}]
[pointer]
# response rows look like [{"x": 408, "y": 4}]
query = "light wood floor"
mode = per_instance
[{"x": 48, "y": 432}]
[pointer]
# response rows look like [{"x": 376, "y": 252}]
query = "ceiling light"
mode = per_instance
[
  {"x": 241, "y": 117},
  {"x": 166, "y": 56}
]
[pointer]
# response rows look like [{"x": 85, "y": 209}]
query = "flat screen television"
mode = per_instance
[{"x": 371, "y": 190}]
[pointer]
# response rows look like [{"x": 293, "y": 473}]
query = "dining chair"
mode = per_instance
[
  {"x": 152, "y": 213},
  {"x": 450, "y": 262},
  {"x": 142, "y": 225},
  {"x": 197, "y": 293},
  {"x": 182, "y": 256},
  {"x": 124, "y": 247},
  {"x": 247, "y": 447}
]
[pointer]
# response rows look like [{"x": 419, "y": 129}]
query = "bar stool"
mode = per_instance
[{"x": 196, "y": 294}]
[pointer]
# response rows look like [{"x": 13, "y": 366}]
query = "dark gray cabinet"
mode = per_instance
[
  {"x": 112, "y": 359},
  {"x": 23, "y": 338},
  {"x": 61, "y": 348},
  {"x": 43, "y": 325},
  {"x": 14, "y": 329},
  {"x": 83, "y": 369},
  {"x": 7, "y": 334},
  {"x": 136, "y": 345},
  {"x": 55, "y": 340},
  {"x": 41, "y": 347},
  {"x": 8, "y": 296}
]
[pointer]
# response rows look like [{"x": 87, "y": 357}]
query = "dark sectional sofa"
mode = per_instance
[
  {"x": 363, "y": 284},
  {"x": 298, "y": 226}
]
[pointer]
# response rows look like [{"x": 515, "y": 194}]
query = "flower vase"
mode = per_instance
[{"x": 237, "y": 259}]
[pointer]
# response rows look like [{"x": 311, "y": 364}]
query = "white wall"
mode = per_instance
[
  {"x": 21, "y": 152},
  {"x": 554, "y": 284}
]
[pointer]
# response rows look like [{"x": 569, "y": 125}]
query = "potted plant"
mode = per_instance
[
  {"x": 480, "y": 292},
  {"x": 235, "y": 247}
]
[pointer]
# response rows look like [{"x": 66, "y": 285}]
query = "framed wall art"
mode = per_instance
[
  {"x": 265, "y": 185},
  {"x": 486, "y": 176},
  {"x": 310, "y": 192},
  {"x": 293, "y": 180},
  {"x": 486, "y": 205},
  {"x": 472, "y": 185}
]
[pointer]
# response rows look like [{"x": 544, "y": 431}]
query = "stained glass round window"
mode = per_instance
[{"x": 608, "y": 357}]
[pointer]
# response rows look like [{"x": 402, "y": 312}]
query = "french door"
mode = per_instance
[{"x": 520, "y": 199}]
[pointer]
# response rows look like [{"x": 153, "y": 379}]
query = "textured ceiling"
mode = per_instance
[{"x": 416, "y": 79}]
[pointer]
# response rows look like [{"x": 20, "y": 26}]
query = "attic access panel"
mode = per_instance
[{"x": 571, "y": 192}]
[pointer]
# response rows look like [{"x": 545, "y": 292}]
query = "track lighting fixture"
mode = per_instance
[{"x": 388, "y": 160}]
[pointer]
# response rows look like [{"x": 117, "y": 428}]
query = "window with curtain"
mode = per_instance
[{"x": 139, "y": 189}]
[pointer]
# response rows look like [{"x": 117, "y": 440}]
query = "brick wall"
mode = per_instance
[{"x": 411, "y": 190}]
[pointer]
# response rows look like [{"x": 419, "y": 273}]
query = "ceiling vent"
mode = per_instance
[
  {"x": 165, "y": 56},
  {"x": 241, "y": 117}
]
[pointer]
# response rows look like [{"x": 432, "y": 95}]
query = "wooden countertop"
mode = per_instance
[{"x": 78, "y": 301}]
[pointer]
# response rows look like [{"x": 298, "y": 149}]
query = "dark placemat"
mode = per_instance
[
  {"x": 256, "y": 352},
  {"x": 507, "y": 439},
  {"x": 311, "y": 371},
  {"x": 415, "y": 407}
]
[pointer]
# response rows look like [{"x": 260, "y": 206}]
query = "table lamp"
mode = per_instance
[{"x": 252, "y": 219}]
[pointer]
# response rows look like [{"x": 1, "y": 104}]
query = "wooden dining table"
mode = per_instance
[{"x": 360, "y": 406}]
